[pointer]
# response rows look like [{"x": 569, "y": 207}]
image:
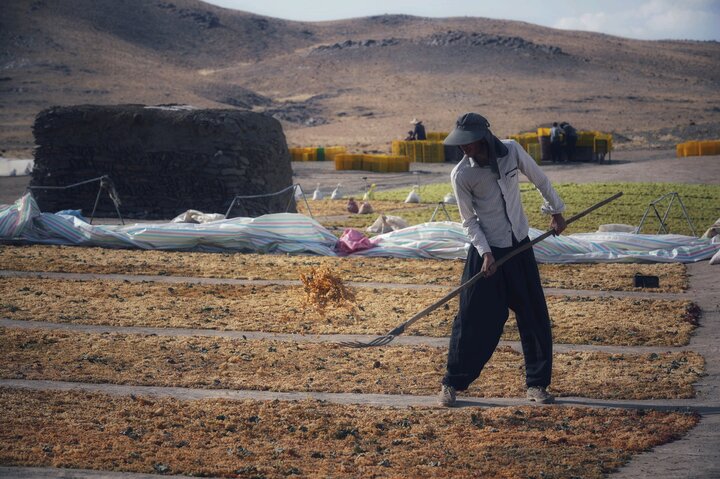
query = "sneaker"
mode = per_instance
[
  {"x": 540, "y": 394},
  {"x": 447, "y": 396}
]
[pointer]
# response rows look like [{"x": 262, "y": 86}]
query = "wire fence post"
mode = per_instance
[
  {"x": 294, "y": 188},
  {"x": 106, "y": 183}
]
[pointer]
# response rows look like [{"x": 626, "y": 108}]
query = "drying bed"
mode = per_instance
[
  {"x": 283, "y": 309},
  {"x": 614, "y": 276},
  {"x": 294, "y": 366},
  {"x": 275, "y": 439}
]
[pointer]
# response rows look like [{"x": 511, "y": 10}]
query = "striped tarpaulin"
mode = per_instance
[{"x": 290, "y": 233}]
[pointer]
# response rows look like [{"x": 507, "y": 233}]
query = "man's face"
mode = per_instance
[{"x": 476, "y": 150}]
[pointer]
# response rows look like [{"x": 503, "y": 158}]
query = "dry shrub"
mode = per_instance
[{"x": 323, "y": 289}]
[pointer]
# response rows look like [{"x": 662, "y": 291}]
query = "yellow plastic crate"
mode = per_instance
[
  {"x": 709, "y": 147},
  {"x": 586, "y": 138},
  {"x": 398, "y": 147},
  {"x": 414, "y": 150},
  {"x": 303, "y": 154},
  {"x": 421, "y": 150},
  {"x": 400, "y": 164},
  {"x": 680, "y": 150},
  {"x": 535, "y": 151},
  {"x": 692, "y": 148},
  {"x": 368, "y": 163},
  {"x": 332, "y": 151},
  {"x": 436, "y": 135},
  {"x": 433, "y": 151},
  {"x": 343, "y": 162}
]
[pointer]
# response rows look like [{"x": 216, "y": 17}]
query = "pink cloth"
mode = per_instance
[{"x": 352, "y": 240}]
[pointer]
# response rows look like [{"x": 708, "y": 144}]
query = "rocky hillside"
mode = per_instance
[{"x": 353, "y": 82}]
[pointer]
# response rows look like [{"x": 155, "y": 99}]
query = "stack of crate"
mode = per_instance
[
  {"x": 530, "y": 143},
  {"x": 375, "y": 163},
  {"x": 436, "y": 135},
  {"x": 594, "y": 143},
  {"x": 698, "y": 148},
  {"x": 316, "y": 153},
  {"x": 421, "y": 151}
]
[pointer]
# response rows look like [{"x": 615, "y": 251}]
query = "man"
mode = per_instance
[
  {"x": 556, "y": 138},
  {"x": 571, "y": 137},
  {"x": 419, "y": 130},
  {"x": 488, "y": 194}
]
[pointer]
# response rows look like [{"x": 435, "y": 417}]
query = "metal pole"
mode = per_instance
[
  {"x": 97, "y": 199},
  {"x": 232, "y": 203},
  {"x": 667, "y": 211},
  {"x": 687, "y": 216}
]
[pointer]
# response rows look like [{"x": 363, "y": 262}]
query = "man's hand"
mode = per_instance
[
  {"x": 488, "y": 266},
  {"x": 558, "y": 223}
]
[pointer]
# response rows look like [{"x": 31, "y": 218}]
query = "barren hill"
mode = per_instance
[{"x": 353, "y": 82}]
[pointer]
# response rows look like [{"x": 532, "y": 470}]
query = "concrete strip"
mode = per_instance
[
  {"x": 441, "y": 342},
  {"x": 286, "y": 282},
  {"x": 696, "y": 455},
  {"x": 62, "y": 473},
  {"x": 382, "y": 400}
]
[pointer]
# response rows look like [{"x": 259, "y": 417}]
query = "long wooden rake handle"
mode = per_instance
[{"x": 401, "y": 328}]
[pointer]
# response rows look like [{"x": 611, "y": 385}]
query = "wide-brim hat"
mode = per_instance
[
  {"x": 415, "y": 121},
  {"x": 470, "y": 128}
]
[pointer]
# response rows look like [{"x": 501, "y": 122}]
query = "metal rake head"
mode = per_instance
[{"x": 379, "y": 341}]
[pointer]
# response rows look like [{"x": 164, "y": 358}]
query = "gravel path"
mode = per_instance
[{"x": 697, "y": 455}]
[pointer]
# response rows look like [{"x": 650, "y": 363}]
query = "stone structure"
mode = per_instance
[{"x": 162, "y": 160}]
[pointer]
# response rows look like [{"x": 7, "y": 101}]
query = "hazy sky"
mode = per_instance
[{"x": 644, "y": 19}]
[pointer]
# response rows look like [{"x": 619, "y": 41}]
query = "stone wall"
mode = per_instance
[{"x": 162, "y": 160}]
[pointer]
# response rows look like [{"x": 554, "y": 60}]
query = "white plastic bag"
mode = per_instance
[
  {"x": 716, "y": 258},
  {"x": 336, "y": 195},
  {"x": 413, "y": 196},
  {"x": 714, "y": 230},
  {"x": 386, "y": 224},
  {"x": 197, "y": 217}
]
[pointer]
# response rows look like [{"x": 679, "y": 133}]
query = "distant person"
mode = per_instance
[
  {"x": 410, "y": 136},
  {"x": 556, "y": 139},
  {"x": 571, "y": 137},
  {"x": 419, "y": 131}
]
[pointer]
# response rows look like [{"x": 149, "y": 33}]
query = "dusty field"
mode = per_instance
[
  {"x": 310, "y": 439},
  {"x": 277, "y": 439},
  {"x": 275, "y": 308},
  {"x": 672, "y": 276},
  {"x": 290, "y": 366}
]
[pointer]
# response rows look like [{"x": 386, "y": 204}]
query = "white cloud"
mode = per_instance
[{"x": 652, "y": 19}]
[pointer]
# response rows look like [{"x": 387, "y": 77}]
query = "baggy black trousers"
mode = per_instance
[{"x": 483, "y": 312}]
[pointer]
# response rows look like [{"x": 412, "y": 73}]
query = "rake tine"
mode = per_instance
[
  {"x": 382, "y": 340},
  {"x": 352, "y": 344},
  {"x": 379, "y": 341}
]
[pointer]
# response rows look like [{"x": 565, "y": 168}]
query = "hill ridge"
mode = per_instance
[{"x": 355, "y": 82}]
